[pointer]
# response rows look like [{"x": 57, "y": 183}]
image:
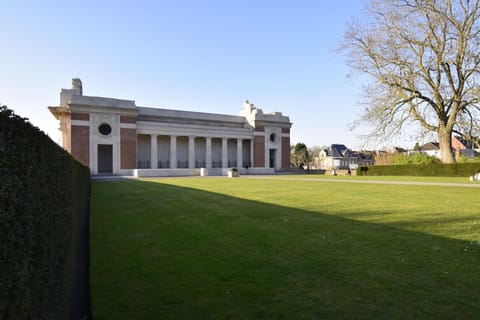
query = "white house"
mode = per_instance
[{"x": 337, "y": 156}]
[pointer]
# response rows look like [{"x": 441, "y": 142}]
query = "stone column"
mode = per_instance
[
  {"x": 153, "y": 151},
  {"x": 208, "y": 155},
  {"x": 191, "y": 152},
  {"x": 224, "y": 153},
  {"x": 173, "y": 152},
  {"x": 267, "y": 157},
  {"x": 239, "y": 154},
  {"x": 251, "y": 151}
]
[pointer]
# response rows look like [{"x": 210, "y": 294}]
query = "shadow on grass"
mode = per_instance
[{"x": 163, "y": 251}]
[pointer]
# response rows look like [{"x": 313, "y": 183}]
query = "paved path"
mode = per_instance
[{"x": 388, "y": 182}]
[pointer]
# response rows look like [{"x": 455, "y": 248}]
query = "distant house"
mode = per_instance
[
  {"x": 387, "y": 157},
  {"x": 337, "y": 156},
  {"x": 431, "y": 148},
  {"x": 462, "y": 147},
  {"x": 364, "y": 158},
  {"x": 397, "y": 150}
]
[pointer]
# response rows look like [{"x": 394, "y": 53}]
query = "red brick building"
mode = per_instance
[{"x": 115, "y": 136}]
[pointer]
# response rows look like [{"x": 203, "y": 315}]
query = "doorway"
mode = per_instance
[
  {"x": 273, "y": 153},
  {"x": 105, "y": 158}
]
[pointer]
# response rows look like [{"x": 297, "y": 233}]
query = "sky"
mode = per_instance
[{"x": 196, "y": 55}]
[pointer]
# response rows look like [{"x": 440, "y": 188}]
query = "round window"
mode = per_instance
[
  {"x": 272, "y": 137},
  {"x": 105, "y": 129}
]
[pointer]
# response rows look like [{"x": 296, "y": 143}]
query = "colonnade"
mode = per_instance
[{"x": 172, "y": 152}]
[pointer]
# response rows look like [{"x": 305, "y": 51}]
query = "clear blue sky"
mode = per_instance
[{"x": 205, "y": 56}]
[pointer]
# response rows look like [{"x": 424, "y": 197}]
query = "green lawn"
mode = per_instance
[{"x": 218, "y": 248}]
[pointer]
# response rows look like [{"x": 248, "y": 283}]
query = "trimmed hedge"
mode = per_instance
[
  {"x": 44, "y": 199},
  {"x": 435, "y": 170}
]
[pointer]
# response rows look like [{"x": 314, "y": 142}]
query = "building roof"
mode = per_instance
[
  {"x": 467, "y": 144},
  {"x": 363, "y": 155},
  {"x": 397, "y": 150},
  {"x": 430, "y": 146},
  {"x": 250, "y": 116},
  {"x": 190, "y": 117},
  {"x": 338, "y": 151}
]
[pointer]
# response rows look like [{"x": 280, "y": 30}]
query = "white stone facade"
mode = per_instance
[{"x": 114, "y": 136}]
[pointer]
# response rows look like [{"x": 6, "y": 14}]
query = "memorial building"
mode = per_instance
[{"x": 115, "y": 136}]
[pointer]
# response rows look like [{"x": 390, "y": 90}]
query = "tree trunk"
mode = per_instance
[{"x": 445, "y": 141}]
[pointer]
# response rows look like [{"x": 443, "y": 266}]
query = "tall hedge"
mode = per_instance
[
  {"x": 44, "y": 198},
  {"x": 438, "y": 170}
]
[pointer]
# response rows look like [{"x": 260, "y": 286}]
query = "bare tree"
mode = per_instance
[{"x": 424, "y": 59}]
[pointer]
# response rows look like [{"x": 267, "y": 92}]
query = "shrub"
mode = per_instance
[
  {"x": 465, "y": 159},
  {"x": 440, "y": 170},
  {"x": 403, "y": 158},
  {"x": 44, "y": 198},
  {"x": 415, "y": 158}
]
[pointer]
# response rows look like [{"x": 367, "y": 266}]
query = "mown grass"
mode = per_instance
[{"x": 217, "y": 248}]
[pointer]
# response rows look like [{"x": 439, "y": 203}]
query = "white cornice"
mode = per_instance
[
  {"x": 80, "y": 123},
  {"x": 102, "y": 109}
]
